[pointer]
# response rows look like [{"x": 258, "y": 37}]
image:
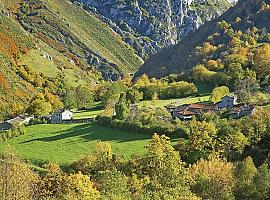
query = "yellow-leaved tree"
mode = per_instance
[{"x": 16, "y": 179}]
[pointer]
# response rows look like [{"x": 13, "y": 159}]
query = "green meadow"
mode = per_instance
[{"x": 66, "y": 143}]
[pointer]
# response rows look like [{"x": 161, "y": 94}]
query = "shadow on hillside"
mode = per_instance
[{"x": 92, "y": 132}]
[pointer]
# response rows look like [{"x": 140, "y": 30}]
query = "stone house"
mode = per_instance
[
  {"x": 61, "y": 115},
  {"x": 5, "y": 126},
  {"x": 227, "y": 102}
]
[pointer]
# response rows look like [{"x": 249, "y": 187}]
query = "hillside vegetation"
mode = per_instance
[
  {"x": 45, "y": 44},
  {"x": 180, "y": 57}
]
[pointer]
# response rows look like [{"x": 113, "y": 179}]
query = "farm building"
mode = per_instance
[
  {"x": 61, "y": 115},
  {"x": 241, "y": 111},
  {"x": 187, "y": 111},
  {"x": 17, "y": 121},
  {"x": 227, "y": 102}
]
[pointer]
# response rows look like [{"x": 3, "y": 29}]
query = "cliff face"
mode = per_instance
[{"x": 149, "y": 25}]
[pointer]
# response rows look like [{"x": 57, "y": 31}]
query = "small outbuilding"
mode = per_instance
[
  {"x": 5, "y": 126},
  {"x": 17, "y": 121},
  {"x": 61, "y": 115}
]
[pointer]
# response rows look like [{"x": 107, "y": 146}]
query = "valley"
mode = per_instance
[{"x": 135, "y": 99}]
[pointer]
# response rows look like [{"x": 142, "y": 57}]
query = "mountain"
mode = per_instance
[
  {"x": 151, "y": 25},
  {"x": 47, "y": 43},
  {"x": 180, "y": 57}
]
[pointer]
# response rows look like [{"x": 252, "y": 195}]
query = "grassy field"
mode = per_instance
[
  {"x": 86, "y": 114},
  {"x": 162, "y": 103},
  {"x": 67, "y": 143}
]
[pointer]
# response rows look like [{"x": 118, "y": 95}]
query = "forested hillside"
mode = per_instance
[{"x": 239, "y": 21}]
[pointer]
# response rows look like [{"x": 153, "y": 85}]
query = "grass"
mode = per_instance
[
  {"x": 35, "y": 60},
  {"x": 86, "y": 114},
  {"x": 162, "y": 103},
  {"x": 67, "y": 143},
  {"x": 96, "y": 35}
]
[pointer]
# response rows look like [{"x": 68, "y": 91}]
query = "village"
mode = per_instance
[{"x": 228, "y": 105}]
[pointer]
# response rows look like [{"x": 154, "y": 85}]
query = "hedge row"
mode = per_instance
[{"x": 168, "y": 129}]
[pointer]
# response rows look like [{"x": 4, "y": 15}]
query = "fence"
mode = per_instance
[{"x": 76, "y": 121}]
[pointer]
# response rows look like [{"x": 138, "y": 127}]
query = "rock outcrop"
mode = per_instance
[{"x": 151, "y": 25}]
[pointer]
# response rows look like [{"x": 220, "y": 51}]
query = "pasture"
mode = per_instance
[
  {"x": 188, "y": 100},
  {"x": 66, "y": 143}
]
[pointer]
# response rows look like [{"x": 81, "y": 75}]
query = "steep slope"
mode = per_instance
[
  {"x": 79, "y": 35},
  {"x": 14, "y": 91},
  {"x": 180, "y": 57},
  {"x": 150, "y": 25},
  {"x": 46, "y": 45}
]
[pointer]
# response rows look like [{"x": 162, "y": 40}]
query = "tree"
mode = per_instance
[
  {"x": 207, "y": 48},
  {"x": 50, "y": 184},
  {"x": 113, "y": 93},
  {"x": 237, "y": 57},
  {"x": 168, "y": 177},
  {"x": 122, "y": 107},
  {"x": 202, "y": 139},
  {"x": 232, "y": 141},
  {"x": 134, "y": 95},
  {"x": 238, "y": 20},
  {"x": 261, "y": 184},
  {"x": 213, "y": 179},
  {"x": 223, "y": 25},
  {"x": 113, "y": 185},
  {"x": 103, "y": 152},
  {"x": 142, "y": 81},
  {"x": 262, "y": 61},
  {"x": 218, "y": 93},
  {"x": 235, "y": 42},
  {"x": 16, "y": 179},
  {"x": 214, "y": 65},
  {"x": 246, "y": 87},
  {"x": 257, "y": 126},
  {"x": 53, "y": 100},
  {"x": 70, "y": 100},
  {"x": 245, "y": 172},
  {"x": 78, "y": 186},
  {"x": 201, "y": 74},
  {"x": 39, "y": 106},
  {"x": 84, "y": 97},
  {"x": 235, "y": 72}
]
